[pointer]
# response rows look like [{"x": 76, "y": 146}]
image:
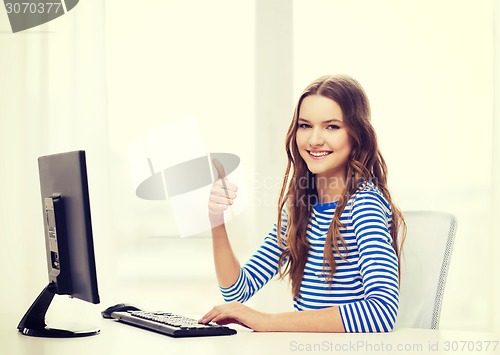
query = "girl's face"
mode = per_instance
[{"x": 322, "y": 138}]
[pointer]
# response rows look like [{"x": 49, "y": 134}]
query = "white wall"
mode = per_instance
[
  {"x": 427, "y": 67},
  {"x": 104, "y": 74}
]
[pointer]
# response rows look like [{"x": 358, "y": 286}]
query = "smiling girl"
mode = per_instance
[{"x": 336, "y": 236}]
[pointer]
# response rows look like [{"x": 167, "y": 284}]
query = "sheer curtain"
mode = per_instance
[
  {"x": 95, "y": 79},
  {"x": 52, "y": 99}
]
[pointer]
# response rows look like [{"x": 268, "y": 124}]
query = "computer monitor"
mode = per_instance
[{"x": 68, "y": 241}]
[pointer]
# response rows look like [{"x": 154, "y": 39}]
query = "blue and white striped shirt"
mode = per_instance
[{"x": 365, "y": 285}]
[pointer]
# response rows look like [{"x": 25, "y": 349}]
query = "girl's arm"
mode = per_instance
[
  {"x": 227, "y": 266},
  {"x": 379, "y": 270},
  {"x": 321, "y": 320}
]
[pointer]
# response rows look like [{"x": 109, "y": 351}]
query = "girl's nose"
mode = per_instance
[{"x": 316, "y": 138}]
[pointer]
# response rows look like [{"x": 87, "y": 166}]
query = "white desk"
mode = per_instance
[{"x": 117, "y": 338}]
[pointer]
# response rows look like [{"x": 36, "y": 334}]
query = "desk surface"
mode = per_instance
[{"x": 117, "y": 338}]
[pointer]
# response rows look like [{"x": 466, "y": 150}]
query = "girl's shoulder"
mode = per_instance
[{"x": 368, "y": 194}]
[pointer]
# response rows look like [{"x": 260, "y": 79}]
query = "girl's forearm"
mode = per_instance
[
  {"x": 227, "y": 266},
  {"x": 321, "y": 320}
]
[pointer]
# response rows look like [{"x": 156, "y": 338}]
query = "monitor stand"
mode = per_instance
[{"x": 33, "y": 322}]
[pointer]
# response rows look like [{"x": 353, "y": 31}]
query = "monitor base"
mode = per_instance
[
  {"x": 57, "y": 333},
  {"x": 33, "y": 322}
]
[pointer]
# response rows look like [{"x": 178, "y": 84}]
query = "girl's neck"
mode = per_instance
[{"x": 329, "y": 189}]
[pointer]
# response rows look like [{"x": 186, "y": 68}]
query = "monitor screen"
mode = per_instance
[{"x": 69, "y": 246}]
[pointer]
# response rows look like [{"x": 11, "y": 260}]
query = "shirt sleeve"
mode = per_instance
[
  {"x": 378, "y": 265},
  {"x": 259, "y": 269}
]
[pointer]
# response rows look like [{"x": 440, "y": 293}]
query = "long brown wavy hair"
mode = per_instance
[{"x": 298, "y": 192}]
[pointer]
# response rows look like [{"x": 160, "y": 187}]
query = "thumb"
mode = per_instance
[{"x": 219, "y": 167}]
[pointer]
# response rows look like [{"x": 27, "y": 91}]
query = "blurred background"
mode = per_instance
[{"x": 109, "y": 71}]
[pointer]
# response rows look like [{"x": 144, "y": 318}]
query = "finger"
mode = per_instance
[
  {"x": 225, "y": 185},
  {"x": 218, "y": 189},
  {"x": 207, "y": 318},
  {"x": 227, "y": 321},
  {"x": 218, "y": 312},
  {"x": 231, "y": 187},
  {"x": 220, "y": 318},
  {"x": 221, "y": 200},
  {"x": 221, "y": 196}
]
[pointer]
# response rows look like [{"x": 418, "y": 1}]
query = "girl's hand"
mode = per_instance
[
  {"x": 222, "y": 196},
  {"x": 237, "y": 313}
]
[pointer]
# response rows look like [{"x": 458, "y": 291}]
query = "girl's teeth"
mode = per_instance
[{"x": 319, "y": 154}]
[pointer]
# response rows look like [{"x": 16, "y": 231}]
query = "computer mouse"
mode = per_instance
[{"x": 120, "y": 307}]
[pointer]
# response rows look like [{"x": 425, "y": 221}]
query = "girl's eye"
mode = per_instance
[{"x": 329, "y": 127}]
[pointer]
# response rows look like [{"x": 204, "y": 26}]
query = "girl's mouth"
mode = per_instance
[{"x": 319, "y": 154}]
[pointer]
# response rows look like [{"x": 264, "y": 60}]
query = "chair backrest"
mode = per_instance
[{"x": 424, "y": 267}]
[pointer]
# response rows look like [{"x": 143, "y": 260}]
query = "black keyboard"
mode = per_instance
[{"x": 171, "y": 324}]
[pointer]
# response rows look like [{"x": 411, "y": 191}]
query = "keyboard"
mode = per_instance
[{"x": 171, "y": 324}]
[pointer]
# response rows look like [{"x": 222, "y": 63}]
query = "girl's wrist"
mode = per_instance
[
  {"x": 216, "y": 220},
  {"x": 269, "y": 322}
]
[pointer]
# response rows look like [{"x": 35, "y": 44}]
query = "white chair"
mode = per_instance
[{"x": 424, "y": 267}]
